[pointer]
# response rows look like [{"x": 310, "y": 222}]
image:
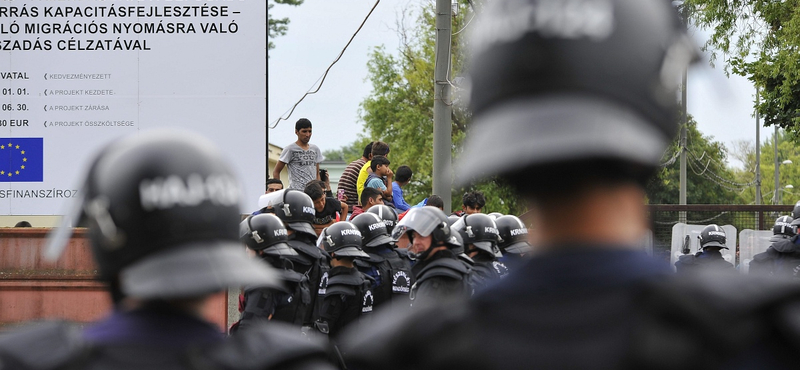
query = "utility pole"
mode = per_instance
[
  {"x": 685, "y": 123},
  {"x": 442, "y": 110},
  {"x": 758, "y": 152},
  {"x": 777, "y": 168}
]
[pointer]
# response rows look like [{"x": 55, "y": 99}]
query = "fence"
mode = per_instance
[{"x": 664, "y": 216}]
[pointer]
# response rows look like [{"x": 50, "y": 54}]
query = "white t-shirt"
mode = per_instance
[{"x": 302, "y": 164}]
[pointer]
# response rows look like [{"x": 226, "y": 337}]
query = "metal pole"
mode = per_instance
[
  {"x": 758, "y": 152},
  {"x": 442, "y": 110},
  {"x": 759, "y": 215},
  {"x": 777, "y": 168},
  {"x": 685, "y": 123}
]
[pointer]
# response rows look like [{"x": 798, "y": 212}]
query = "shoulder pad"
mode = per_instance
[
  {"x": 288, "y": 348},
  {"x": 361, "y": 263},
  {"x": 764, "y": 256},
  {"x": 339, "y": 289},
  {"x": 42, "y": 346},
  {"x": 686, "y": 258},
  {"x": 306, "y": 249},
  {"x": 446, "y": 267},
  {"x": 346, "y": 279},
  {"x": 374, "y": 258}
]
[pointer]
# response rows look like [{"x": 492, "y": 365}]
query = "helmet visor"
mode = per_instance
[{"x": 422, "y": 222}]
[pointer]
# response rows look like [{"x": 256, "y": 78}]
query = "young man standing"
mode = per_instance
[
  {"x": 378, "y": 148},
  {"x": 347, "y": 182},
  {"x": 301, "y": 157},
  {"x": 403, "y": 178}
]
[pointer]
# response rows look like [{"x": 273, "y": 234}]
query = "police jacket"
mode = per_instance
[
  {"x": 441, "y": 276},
  {"x": 703, "y": 260},
  {"x": 593, "y": 309},
  {"x": 346, "y": 297},
  {"x": 157, "y": 339},
  {"x": 782, "y": 259},
  {"x": 486, "y": 270},
  {"x": 393, "y": 271},
  {"x": 313, "y": 263}
]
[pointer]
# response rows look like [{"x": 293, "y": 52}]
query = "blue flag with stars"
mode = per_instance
[{"x": 21, "y": 159}]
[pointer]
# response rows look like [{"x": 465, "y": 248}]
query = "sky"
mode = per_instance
[{"x": 319, "y": 30}]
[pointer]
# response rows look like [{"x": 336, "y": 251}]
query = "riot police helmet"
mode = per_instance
[
  {"x": 796, "y": 211},
  {"x": 573, "y": 81},
  {"x": 783, "y": 228},
  {"x": 296, "y": 210},
  {"x": 341, "y": 239},
  {"x": 480, "y": 230},
  {"x": 495, "y": 215},
  {"x": 373, "y": 230},
  {"x": 713, "y": 236},
  {"x": 513, "y": 233},
  {"x": 162, "y": 211},
  {"x": 387, "y": 214},
  {"x": 426, "y": 221},
  {"x": 265, "y": 232},
  {"x": 452, "y": 219}
]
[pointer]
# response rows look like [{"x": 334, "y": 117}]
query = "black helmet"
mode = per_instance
[
  {"x": 573, "y": 80},
  {"x": 796, "y": 210},
  {"x": 712, "y": 236},
  {"x": 342, "y": 239},
  {"x": 296, "y": 209},
  {"x": 265, "y": 232},
  {"x": 372, "y": 228},
  {"x": 425, "y": 221},
  {"x": 479, "y": 230},
  {"x": 162, "y": 210},
  {"x": 456, "y": 242},
  {"x": 495, "y": 215},
  {"x": 783, "y": 227},
  {"x": 387, "y": 214},
  {"x": 514, "y": 234}
]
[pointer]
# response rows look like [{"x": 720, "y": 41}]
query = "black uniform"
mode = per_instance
[
  {"x": 486, "y": 270},
  {"x": 289, "y": 305},
  {"x": 391, "y": 273},
  {"x": 585, "y": 308},
  {"x": 706, "y": 259},
  {"x": 781, "y": 259},
  {"x": 346, "y": 297},
  {"x": 157, "y": 338},
  {"x": 443, "y": 276},
  {"x": 312, "y": 263}
]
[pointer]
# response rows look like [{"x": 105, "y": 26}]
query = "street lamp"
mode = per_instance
[
  {"x": 776, "y": 198},
  {"x": 780, "y": 195}
]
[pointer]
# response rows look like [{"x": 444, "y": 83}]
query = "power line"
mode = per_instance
[{"x": 324, "y": 75}]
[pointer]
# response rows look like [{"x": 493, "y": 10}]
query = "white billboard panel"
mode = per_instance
[{"x": 75, "y": 75}]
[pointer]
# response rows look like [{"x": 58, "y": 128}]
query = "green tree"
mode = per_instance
[
  {"x": 789, "y": 173},
  {"x": 399, "y": 109},
  {"x": 759, "y": 40},
  {"x": 708, "y": 178},
  {"x": 347, "y": 153},
  {"x": 278, "y": 26}
]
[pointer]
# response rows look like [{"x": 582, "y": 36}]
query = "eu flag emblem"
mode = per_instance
[{"x": 21, "y": 159}]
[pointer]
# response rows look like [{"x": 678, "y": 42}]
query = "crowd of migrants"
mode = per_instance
[{"x": 572, "y": 102}]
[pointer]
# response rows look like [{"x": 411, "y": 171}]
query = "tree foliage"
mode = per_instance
[
  {"x": 760, "y": 40},
  {"x": 278, "y": 26},
  {"x": 789, "y": 174},
  {"x": 708, "y": 178},
  {"x": 399, "y": 109}
]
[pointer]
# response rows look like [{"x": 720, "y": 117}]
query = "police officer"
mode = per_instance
[
  {"x": 438, "y": 272},
  {"x": 514, "y": 240},
  {"x": 162, "y": 210},
  {"x": 480, "y": 236},
  {"x": 346, "y": 294},
  {"x": 296, "y": 209},
  {"x": 577, "y": 99},
  {"x": 782, "y": 257},
  {"x": 387, "y": 214},
  {"x": 390, "y": 270},
  {"x": 712, "y": 240},
  {"x": 266, "y": 235}
]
